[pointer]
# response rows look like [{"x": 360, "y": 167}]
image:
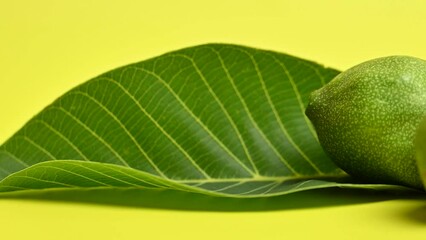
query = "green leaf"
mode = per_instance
[
  {"x": 421, "y": 151},
  {"x": 217, "y": 119},
  {"x": 83, "y": 174}
]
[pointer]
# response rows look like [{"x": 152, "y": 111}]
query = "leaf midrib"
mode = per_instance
[{"x": 262, "y": 179}]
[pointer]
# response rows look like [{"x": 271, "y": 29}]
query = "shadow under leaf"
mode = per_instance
[
  {"x": 417, "y": 214},
  {"x": 178, "y": 200}
]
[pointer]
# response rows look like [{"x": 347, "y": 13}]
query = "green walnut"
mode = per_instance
[{"x": 366, "y": 119}]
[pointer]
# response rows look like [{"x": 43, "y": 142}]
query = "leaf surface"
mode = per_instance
[{"x": 217, "y": 119}]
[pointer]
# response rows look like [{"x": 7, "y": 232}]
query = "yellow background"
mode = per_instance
[{"x": 47, "y": 47}]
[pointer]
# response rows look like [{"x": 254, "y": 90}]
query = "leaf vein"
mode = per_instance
[
  {"x": 42, "y": 180},
  {"x": 199, "y": 122},
  {"x": 67, "y": 140},
  {"x": 76, "y": 174},
  {"x": 101, "y": 173},
  {"x": 258, "y": 188},
  {"x": 143, "y": 110},
  {"x": 227, "y": 115},
  {"x": 260, "y": 131},
  {"x": 298, "y": 94},
  {"x": 103, "y": 107},
  {"x": 99, "y": 138},
  {"x": 38, "y": 146},
  {"x": 277, "y": 116},
  {"x": 18, "y": 160}
]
